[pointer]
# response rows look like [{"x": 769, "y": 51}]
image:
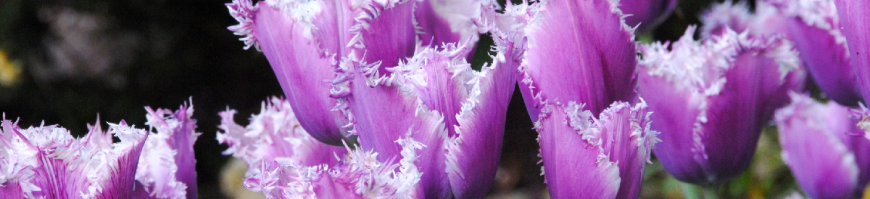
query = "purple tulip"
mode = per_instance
[
  {"x": 306, "y": 41},
  {"x": 47, "y": 162},
  {"x": 820, "y": 146},
  {"x": 578, "y": 51},
  {"x": 589, "y": 157},
  {"x": 285, "y": 161},
  {"x": 813, "y": 26},
  {"x": 711, "y": 99},
  {"x": 855, "y": 26},
  {"x": 646, "y": 14}
]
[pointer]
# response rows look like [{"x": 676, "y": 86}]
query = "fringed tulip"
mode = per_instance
[
  {"x": 813, "y": 26},
  {"x": 47, "y": 162},
  {"x": 711, "y": 99},
  {"x": 306, "y": 41},
  {"x": 823, "y": 147},
  {"x": 285, "y": 161},
  {"x": 578, "y": 51},
  {"x": 595, "y": 157},
  {"x": 646, "y": 14}
]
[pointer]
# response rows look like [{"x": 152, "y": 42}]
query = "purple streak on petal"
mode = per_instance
[
  {"x": 596, "y": 67},
  {"x": 473, "y": 153},
  {"x": 171, "y": 166},
  {"x": 274, "y": 132},
  {"x": 855, "y": 24},
  {"x": 813, "y": 25},
  {"x": 728, "y": 87},
  {"x": 628, "y": 141},
  {"x": 300, "y": 64},
  {"x": 646, "y": 14},
  {"x": 819, "y": 149}
]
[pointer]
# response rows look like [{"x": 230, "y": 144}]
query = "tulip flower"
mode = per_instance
[
  {"x": 589, "y": 157},
  {"x": 646, "y": 14},
  {"x": 855, "y": 26},
  {"x": 813, "y": 26},
  {"x": 47, "y": 162},
  {"x": 581, "y": 58},
  {"x": 306, "y": 41},
  {"x": 711, "y": 99},
  {"x": 285, "y": 161},
  {"x": 820, "y": 144},
  {"x": 578, "y": 51}
]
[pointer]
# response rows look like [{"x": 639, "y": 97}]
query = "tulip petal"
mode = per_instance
[
  {"x": 813, "y": 26},
  {"x": 168, "y": 166},
  {"x": 819, "y": 149},
  {"x": 593, "y": 157},
  {"x": 302, "y": 63},
  {"x": 447, "y": 21},
  {"x": 578, "y": 51},
  {"x": 731, "y": 83},
  {"x": 854, "y": 23}
]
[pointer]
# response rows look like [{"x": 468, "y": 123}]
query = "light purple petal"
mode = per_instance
[
  {"x": 646, "y": 14},
  {"x": 274, "y": 133},
  {"x": 716, "y": 95},
  {"x": 474, "y": 151},
  {"x": 820, "y": 149},
  {"x": 727, "y": 15},
  {"x": 46, "y": 161},
  {"x": 856, "y": 28},
  {"x": 578, "y": 51},
  {"x": 302, "y": 55},
  {"x": 592, "y": 157},
  {"x": 813, "y": 26},
  {"x": 168, "y": 166},
  {"x": 358, "y": 175}
]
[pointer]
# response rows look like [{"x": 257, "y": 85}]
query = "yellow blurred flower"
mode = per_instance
[{"x": 9, "y": 71}]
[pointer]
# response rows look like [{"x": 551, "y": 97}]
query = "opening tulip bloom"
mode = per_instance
[
  {"x": 285, "y": 161},
  {"x": 711, "y": 99},
  {"x": 306, "y": 41},
  {"x": 824, "y": 148},
  {"x": 815, "y": 29},
  {"x": 47, "y": 162},
  {"x": 589, "y": 157}
]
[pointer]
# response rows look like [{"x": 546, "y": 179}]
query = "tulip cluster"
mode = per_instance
[{"x": 47, "y": 162}]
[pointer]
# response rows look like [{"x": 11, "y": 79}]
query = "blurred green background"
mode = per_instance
[{"x": 68, "y": 62}]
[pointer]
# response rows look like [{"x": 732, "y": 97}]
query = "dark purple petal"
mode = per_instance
[
  {"x": 855, "y": 24},
  {"x": 578, "y": 51},
  {"x": 646, "y": 14},
  {"x": 385, "y": 33},
  {"x": 820, "y": 147},
  {"x": 716, "y": 95},
  {"x": 592, "y": 157}
]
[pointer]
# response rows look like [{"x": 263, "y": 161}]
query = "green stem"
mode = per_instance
[
  {"x": 711, "y": 192},
  {"x": 690, "y": 191}
]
